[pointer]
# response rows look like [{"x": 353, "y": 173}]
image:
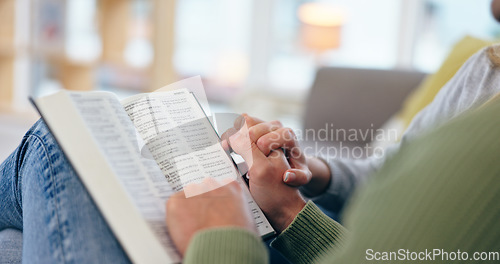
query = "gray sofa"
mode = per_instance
[
  {"x": 11, "y": 244},
  {"x": 342, "y": 99}
]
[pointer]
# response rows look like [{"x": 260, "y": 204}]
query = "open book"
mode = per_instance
[{"x": 133, "y": 154}]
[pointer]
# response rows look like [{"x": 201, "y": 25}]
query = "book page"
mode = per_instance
[
  {"x": 181, "y": 139},
  {"x": 141, "y": 177}
]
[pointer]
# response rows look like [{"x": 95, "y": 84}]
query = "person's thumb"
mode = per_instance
[{"x": 297, "y": 177}]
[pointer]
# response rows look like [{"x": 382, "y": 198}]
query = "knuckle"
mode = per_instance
[
  {"x": 263, "y": 143},
  {"x": 288, "y": 134},
  {"x": 252, "y": 133},
  {"x": 254, "y": 147},
  {"x": 274, "y": 145},
  {"x": 276, "y": 124}
]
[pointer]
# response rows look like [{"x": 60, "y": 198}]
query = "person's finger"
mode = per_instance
[
  {"x": 300, "y": 173},
  {"x": 262, "y": 129},
  {"x": 264, "y": 172},
  {"x": 225, "y": 139},
  {"x": 296, "y": 157},
  {"x": 239, "y": 122},
  {"x": 297, "y": 177},
  {"x": 281, "y": 138},
  {"x": 251, "y": 121},
  {"x": 242, "y": 145},
  {"x": 225, "y": 146},
  {"x": 231, "y": 131}
]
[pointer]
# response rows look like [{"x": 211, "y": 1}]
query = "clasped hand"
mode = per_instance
[{"x": 271, "y": 174}]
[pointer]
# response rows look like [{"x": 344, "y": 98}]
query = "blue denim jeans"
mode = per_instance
[{"x": 41, "y": 195}]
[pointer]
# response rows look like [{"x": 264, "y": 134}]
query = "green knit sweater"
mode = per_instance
[{"x": 440, "y": 195}]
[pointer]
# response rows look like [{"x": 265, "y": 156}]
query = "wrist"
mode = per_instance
[
  {"x": 321, "y": 177},
  {"x": 288, "y": 213}
]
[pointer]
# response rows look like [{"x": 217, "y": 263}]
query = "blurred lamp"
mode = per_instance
[
  {"x": 321, "y": 26},
  {"x": 230, "y": 69}
]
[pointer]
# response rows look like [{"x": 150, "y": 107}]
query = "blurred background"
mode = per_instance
[{"x": 254, "y": 56}]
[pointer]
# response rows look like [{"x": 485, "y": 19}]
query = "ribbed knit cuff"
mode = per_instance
[
  {"x": 226, "y": 245},
  {"x": 309, "y": 236}
]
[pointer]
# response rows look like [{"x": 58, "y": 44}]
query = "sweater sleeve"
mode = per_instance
[
  {"x": 309, "y": 236},
  {"x": 346, "y": 175},
  {"x": 306, "y": 239},
  {"x": 226, "y": 245}
]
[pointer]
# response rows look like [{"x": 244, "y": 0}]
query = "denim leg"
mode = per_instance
[
  {"x": 11, "y": 214},
  {"x": 46, "y": 200},
  {"x": 11, "y": 245}
]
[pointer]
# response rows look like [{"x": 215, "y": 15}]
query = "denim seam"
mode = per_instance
[
  {"x": 18, "y": 177},
  {"x": 56, "y": 200},
  {"x": 19, "y": 161}
]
